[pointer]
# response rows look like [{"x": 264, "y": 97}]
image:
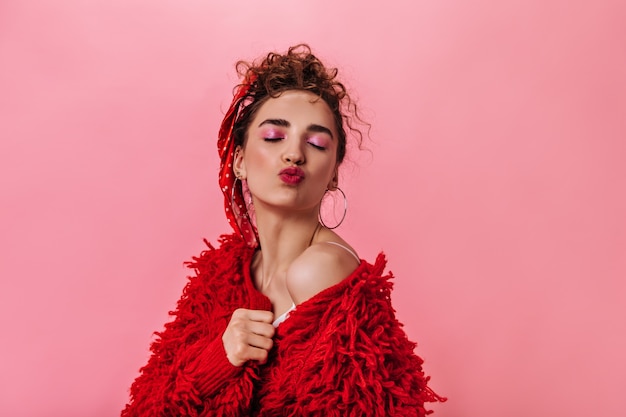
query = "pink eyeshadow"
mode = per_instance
[
  {"x": 272, "y": 134},
  {"x": 319, "y": 141}
]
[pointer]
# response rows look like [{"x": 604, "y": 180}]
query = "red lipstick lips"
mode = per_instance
[{"x": 291, "y": 175}]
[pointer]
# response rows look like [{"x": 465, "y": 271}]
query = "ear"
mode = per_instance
[
  {"x": 334, "y": 181},
  {"x": 239, "y": 165}
]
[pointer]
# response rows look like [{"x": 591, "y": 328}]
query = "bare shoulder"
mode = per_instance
[{"x": 322, "y": 265}]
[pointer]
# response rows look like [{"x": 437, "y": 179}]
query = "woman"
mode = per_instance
[{"x": 283, "y": 318}]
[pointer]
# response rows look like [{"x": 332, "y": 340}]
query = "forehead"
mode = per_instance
[{"x": 297, "y": 107}]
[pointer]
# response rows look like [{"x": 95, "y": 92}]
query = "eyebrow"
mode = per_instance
[{"x": 285, "y": 123}]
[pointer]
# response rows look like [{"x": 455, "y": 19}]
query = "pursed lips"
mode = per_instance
[{"x": 291, "y": 175}]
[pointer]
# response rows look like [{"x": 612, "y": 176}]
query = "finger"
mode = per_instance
[
  {"x": 242, "y": 353},
  {"x": 256, "y": 341},
  {"x": 253, "y": 347},
  {"x": 260, "y": 315},
  {"x": 260, "y": 328},
  {"x": 257, "y": 354},
  {"x": 254, "y": 315},
  {"x": 240, "y": 331}
]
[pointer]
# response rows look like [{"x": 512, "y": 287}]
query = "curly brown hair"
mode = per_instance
[{"x": 297, "y": 69}]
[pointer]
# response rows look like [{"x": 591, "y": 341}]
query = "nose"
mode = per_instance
[{"x": 293, "y": 154}]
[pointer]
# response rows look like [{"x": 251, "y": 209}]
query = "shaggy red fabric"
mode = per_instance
[{"x": 340, "y": 353}]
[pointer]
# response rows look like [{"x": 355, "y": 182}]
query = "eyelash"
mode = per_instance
[{"x": 321, "y": 148}]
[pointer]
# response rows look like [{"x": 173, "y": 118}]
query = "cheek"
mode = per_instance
[
  {"x": 258, "y": 169},
  {"x": 256, "y": 159},
  {"x": 326, "y": 175}
]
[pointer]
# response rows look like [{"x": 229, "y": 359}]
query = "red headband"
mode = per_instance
[{"x": 234, "y": 203}]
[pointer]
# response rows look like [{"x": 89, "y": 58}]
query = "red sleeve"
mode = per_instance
[
  {"x": 369, "y": 357},
  {"x": 188, "y": 369},
  {"x": 356, "y": 361}
]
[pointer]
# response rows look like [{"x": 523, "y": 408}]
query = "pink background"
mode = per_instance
[{"x": 495, "y": 183}]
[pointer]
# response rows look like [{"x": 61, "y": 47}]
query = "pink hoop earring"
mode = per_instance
[{"x": 345, "y": 210}]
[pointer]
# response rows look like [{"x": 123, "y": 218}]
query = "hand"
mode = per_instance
[{"x": 248, "y": 336}]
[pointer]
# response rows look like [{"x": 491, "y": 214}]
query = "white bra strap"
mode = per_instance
[
  {"x": 284, "y": 316},
  {"x": 346, "y": 248}
]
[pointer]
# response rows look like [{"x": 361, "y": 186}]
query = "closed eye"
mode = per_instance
[
  {"x": 321, "y": 148},
  {"x": 319, "y": 142},
  {"x": 272, "y": 139}
]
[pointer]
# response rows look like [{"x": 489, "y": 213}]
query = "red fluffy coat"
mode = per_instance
[{"x": 340, "y": 353}]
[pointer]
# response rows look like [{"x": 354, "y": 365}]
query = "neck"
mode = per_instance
[{"x": 282, "y": 239}]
